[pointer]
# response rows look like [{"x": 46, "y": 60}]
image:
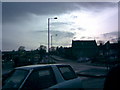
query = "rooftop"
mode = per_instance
[{"x": 84, "y": 43}]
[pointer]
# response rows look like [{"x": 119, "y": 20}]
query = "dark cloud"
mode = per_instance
[
  {"x": 119, "y": 21},
  {"x": 62, "y": 23},
  {"x": 79, "y": 28},
  {"x": 110, "y": 34},
  {"x": 40, "y": 31},
  {"x": 73, "y": 16},
  {"x": 97, "y": 37},
  {"x": 98, "y": 6},
  {"x": 61, "y": 34},
  {"x": 15, "y": 9},
  {"x": 12, "y": 10},
  {"x": 59, "y": 37},
  {"x": 86, "y": 37},
  {"x": 90, "y": 37},
  {"x": 0, "y": 11},
  {"x": 0, "y": 22},
  {"x": 114, "y": 40},
  {"x": 72, "y": 29},
  {"x": 83, "y": 37}
]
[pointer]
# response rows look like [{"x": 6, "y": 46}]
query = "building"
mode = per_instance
[
  {"x": 68, "y": 52},
  {"x": 109, "y": 51},
  {"x": 84, "y": 48}
]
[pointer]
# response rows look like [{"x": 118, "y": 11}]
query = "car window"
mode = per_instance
[
  {"x": 67, "y": 72},
  {"x": 43, "y": 78},
  {"x": 16, "y": 79}
]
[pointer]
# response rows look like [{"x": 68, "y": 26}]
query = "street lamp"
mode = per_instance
[
  {"x": 49, "y": 33},
  {"x": 52, "y": 38}
]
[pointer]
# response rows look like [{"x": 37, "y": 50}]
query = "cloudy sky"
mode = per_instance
[
  {"x": 0, "y": 26},
  {"x": 25, "y": 23}
]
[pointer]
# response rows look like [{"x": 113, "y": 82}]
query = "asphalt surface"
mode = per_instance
[{"x": 92, "y": 76}]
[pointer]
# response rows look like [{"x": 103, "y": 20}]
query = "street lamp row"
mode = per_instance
[{"x": 49, "y": 33}]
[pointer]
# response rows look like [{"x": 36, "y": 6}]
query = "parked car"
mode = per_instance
[
  {"x": 43, "y": 76},
  {"x": 83, "y": 59}
]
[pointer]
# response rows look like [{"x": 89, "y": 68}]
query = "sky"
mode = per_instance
[
  {"x": 26, "y": 23},
  {"x": 0, "y": 26}
]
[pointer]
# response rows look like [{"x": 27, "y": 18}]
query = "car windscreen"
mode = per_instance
[{"x": 15, "y": 80}]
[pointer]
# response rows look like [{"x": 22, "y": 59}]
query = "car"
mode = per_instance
[
  {"x": 83, "y": 59},
  {"x": 43, "y": 76}
]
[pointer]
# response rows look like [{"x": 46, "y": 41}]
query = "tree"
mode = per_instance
[
  {"x": 42, "y": 47},
  {"x": 100, "y": 42},
  {"x": 21, "y": 48},
  {"x": 42, "y": 51}
]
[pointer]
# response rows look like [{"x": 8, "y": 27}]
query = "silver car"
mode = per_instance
[{"x": 43, "y": 77}]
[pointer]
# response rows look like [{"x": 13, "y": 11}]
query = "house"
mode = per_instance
[
  {"x": 68, "y": 52},
  {"x": 111, "y": 50},
  {"x": 84, "y": 48},
  {"x": 108, "y": 51}
]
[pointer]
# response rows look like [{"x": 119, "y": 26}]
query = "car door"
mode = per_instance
[
  {"x": 70, "y": 78},
  {"x": 40, "y": 79}
]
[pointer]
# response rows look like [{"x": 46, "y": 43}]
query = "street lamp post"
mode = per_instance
[
  {"x": 49, "y": 33},
  {"x": 52, "y": 38}
]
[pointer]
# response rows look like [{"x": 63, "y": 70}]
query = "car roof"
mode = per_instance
[{"x": 29, "y": 67}]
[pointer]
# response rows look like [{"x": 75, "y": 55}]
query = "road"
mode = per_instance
[{"x": 88, "y": 82}]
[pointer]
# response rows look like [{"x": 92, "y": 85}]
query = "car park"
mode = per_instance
[{"x": 42, "y": 77}]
